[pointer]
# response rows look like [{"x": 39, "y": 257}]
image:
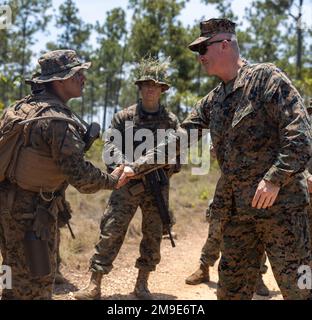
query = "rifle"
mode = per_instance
[
  {"x": 92, "y": 133},
  {"x": 156, "y": 180},
  {"x": 65, "y": 216}
]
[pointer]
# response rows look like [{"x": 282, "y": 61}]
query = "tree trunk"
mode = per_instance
[
  {"x": 92, "y": 101},
  {"x": 82, "y": 111},
  {"x": 105, "y": 104},
  {"x": 23, "y": 62},
  {"x": 120, "y": 78},
  {"x": 299, "y": 42}
]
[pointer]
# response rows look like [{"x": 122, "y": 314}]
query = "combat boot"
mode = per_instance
[
  {"x": 93, "y": 290},
  {"x": 261, "y": 288},
  {"x": 59, "y": 278},
  {"x": 141, "y": 287},
  {"x": 199, "y": 276}
]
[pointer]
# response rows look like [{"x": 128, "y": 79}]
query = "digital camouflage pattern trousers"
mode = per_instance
[
  {"x": 122, "y": 206},
  {"x": 284, "y": 235},
  {"x": 211, "y": 250},
  {"x": 310, "y": 220},
  {"x": 14, "y": 222}
]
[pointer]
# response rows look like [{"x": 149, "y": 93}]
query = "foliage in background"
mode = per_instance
[{"x": 272, "y": 32}]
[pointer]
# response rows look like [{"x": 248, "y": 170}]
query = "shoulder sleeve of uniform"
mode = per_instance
[
  {"x": 67, "y": 150},
  {"x": 200, "y": 115},
  {"x": 285, "y": 106},
  {"x": 119, "y": 118},
  {"x": 272, "y": 79},
  {"x": 173, "y": 119},
  {"x": 63, "y": 136}
]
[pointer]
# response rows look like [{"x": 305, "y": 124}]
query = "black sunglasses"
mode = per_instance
[{"x": 203, "y": 48}]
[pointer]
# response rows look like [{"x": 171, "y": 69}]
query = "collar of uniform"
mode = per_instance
[
  {"x": 48, "y": 96},
  {"x": 220, "y": 93},
  {"x": 239, "y": 82},
  {"x": 141, "y": 114},
  {"x": 240, "y": 79}
]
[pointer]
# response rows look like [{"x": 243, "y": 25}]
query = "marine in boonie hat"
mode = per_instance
[
  {"x": 209, "y": 29},
  {"x": 59, "y": 65},
  {"x": 151, "y": 69}
]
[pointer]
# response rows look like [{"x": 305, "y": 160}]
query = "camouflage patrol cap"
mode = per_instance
[
  {"x": 151, "y": 69},
  {"x": 210, "y": 28},
  {"x": 59, "y": 65}
]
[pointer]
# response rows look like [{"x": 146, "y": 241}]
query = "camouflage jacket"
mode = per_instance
[
  {"x": 260, "y": 130},
  {"x": 308, "y": 171},
  {"x": 128, "y": 122},
  {"x": 63, "y": 141}
]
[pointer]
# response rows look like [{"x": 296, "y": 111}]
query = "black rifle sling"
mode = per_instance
[{"x": 154, "y": 181}]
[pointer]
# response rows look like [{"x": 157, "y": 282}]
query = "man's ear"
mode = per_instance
[{"x": 225, "y": 45}]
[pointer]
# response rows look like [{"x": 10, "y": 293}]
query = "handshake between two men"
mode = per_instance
[
  {"x": 264, "y": 197},
  {"x": 124, "y": 174}
]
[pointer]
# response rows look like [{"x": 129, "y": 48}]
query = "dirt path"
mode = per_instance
[{"x": 168, "y": 282}]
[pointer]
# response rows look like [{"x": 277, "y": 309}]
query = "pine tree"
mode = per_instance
[{"x": 29, "y": 17}]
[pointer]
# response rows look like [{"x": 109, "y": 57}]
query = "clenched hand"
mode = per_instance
[{"x": 126, "y": 175}]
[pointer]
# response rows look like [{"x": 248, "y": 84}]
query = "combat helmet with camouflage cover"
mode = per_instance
[{"x": 151, "y": 69}]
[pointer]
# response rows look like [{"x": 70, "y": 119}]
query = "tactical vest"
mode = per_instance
[
  {"x": 152, "y": 122},
  {"x": 31, "y": 169}
]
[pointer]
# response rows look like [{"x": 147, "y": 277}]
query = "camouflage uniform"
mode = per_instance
[
  {"x": 210, "y": 254},
  {"x": 63, "y": 143},
  {"x": 65, "y": 215},
  {"x": 260, "y": 130},
  {"x": 124, "y": 202},
  {"x": 2, "y": 243},
  {"x": 211, "y": 250},
  {"x": 63, "y": 219},
  {"x": 245, "y": 126},
  {"x": 308, "y": 173}
]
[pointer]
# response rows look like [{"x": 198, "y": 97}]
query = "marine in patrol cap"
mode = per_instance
[{"x": 209, "y": 29}]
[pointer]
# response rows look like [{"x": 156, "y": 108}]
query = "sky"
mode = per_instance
[{"x": 95, "y": 10}]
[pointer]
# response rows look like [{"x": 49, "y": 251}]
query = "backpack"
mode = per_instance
[{"x": 14, "y": 124}]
